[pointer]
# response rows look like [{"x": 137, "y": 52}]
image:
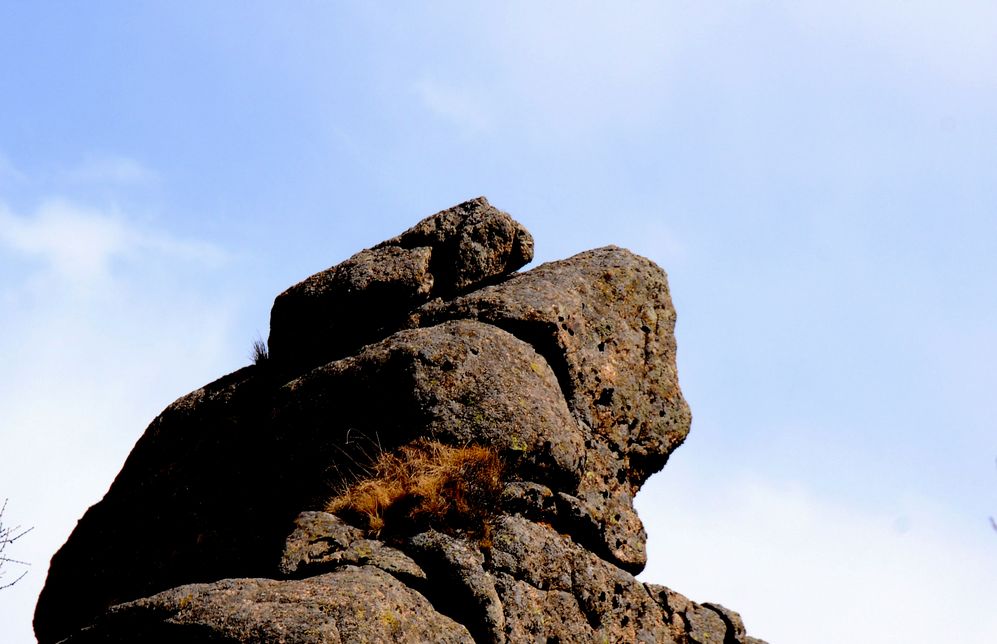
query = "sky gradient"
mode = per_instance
[{"x": 819, "y": 180}]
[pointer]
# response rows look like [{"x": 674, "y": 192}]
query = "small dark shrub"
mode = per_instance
[{"x": 259, "y": 353}]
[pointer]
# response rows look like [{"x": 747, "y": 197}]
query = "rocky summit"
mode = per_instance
[{"x": 435, "y": 449}]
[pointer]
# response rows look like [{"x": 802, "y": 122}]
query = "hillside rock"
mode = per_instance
[
  {"x": 604, "y": 322},
  {"x": 364, "y": 298},
  {"x": 324, "y": 608},
  {"x": 216, "y": 527}
]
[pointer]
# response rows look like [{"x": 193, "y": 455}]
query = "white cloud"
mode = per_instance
[
  {"x": 577, "y": 71},
  {"x": 562, "y": 69},
  {"x": 75, "y": 242},
  {"x": 8, "y": 172},
  {"x": 115, "y": 170},
  {"x": 78, "y": 244},
  {"x": 955, "y": 40},
  {"x": 804, "y": 569},
  {"x": 459, "y": 106},
  {"x": 84, "y": 375}
]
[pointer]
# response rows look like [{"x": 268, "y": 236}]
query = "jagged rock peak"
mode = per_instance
[
  {"x": 341, "y": 308},
  {"x": 437, "y": 449}
]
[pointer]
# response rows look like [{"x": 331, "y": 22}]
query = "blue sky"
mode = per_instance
[{"x": 818, "y": 179}]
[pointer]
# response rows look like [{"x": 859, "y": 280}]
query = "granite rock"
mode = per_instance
[{"x": 217, "y": 528}]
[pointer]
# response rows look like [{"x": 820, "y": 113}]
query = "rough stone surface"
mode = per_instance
[
  {"x": 339, "y": 309},
  {"x": 214, "y": 530},
  {"x": 608, "y": 603},
  {"x": 467, "y": 590},
  {"x": 700, "y": 623},
  {"x": 605, "y": 323},
  {"x": 322, "y": 541},
  {"x": 353, "y": 604},
  {"x": 459, "y": 382},
  {"x": 196, "y": 500},
  {"x": 316, "y": 537}
]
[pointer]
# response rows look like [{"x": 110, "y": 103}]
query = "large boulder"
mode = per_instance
[
  {"x": 228, "y": 521},
  {"x": 352, "y": 604},
  {"x": 362, "y": 299},
  {"x": 604, "y": 321}
]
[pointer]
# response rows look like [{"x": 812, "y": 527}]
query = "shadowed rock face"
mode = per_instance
[{"x": 214, "y": 529}]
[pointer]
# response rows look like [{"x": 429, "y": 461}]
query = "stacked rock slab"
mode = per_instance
[{"x": 214, "y": 530}]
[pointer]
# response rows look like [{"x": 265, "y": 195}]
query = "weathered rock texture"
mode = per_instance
[{"x": 215, "y": 529}]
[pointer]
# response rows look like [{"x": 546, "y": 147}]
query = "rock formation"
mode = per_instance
[{"x": 217, "y": 528}]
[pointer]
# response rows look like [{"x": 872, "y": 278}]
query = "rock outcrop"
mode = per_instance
[{"x": 217, "y": 528}]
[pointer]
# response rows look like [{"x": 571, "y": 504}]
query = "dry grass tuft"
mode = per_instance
[
  {"x": 422, "y": 485},
  {"x": 259, "y": 353}
]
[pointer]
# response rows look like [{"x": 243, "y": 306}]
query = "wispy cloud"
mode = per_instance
[
  {"x": 580, "y": 70},
  {"x": 458, "y": 105},
  {"x": 79, "y": 245},
  {"x": 110, "y": 322},
  {"x": 574, "y": 71},
  {"x": 8, "y": 172},
  {"x": 76, "y": 243},
  {"x": 955, "y": 41},
  {"x": 113, "y": 170},
  {"x": 802, "y": 568}
]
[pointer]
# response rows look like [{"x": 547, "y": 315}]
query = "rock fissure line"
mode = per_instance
[{"x": 546, "y": 347}]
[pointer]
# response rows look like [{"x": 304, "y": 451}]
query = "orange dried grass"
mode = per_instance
[{"x": 425, "y": 484}]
